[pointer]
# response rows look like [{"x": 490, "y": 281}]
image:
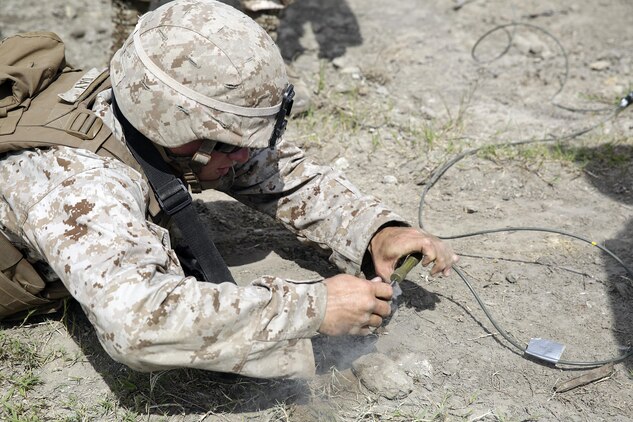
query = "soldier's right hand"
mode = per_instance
[{"x": 354, "y": 305}]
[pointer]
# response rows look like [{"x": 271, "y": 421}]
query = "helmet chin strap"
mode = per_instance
[
  {"x": 202, "y": 156},
  {"x": 200, "y": 159},
  {"x": 190, "y": 167}
]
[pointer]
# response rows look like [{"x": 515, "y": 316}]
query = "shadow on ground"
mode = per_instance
[
  {"x": 609, "y": 168},
  {"x": 333, "y": 23}
]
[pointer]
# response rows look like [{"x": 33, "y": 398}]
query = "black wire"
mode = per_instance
[
  {"x": 625, "y": 102},
  {"x": 563, "y": 52},
  {"x": 437, "y": 174},
  {"x": 494, "y": 322}
]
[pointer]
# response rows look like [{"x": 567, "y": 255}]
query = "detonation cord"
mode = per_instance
[{"x": 437, "y": 174}]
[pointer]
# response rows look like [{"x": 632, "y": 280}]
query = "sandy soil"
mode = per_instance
[{"x": 399, "y": 88}]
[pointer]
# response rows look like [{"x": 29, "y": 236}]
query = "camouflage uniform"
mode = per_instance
[{"x": 84, "y": 216}]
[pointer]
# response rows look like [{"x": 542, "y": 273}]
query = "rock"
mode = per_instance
[
  {"x": 344, "y": 88},
  {"x": 415, "y": 366},
  {"x": 341, "y": 163},
  {"x": 338, "y": 63},
  {"x": 78, "y": 34},
  {"x": 70, "y": 12},
  {"x": 600, "y": 65},
  {"x": 390, "y": 180},
  {"x": 382, "y": 90},
  {"x": 511, "y": 278},
  {"x": 351, "y": 70},
  {"x": 382, "y": 376},
  {"x": 530, "y": 45},
  {"x": 427, "y": 113}
]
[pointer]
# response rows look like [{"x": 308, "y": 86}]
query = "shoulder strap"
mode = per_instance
[
  {"x": 54, "y": 118},
  {"x": 175, "y": 201},
  {"x": 61, "y": 115}
]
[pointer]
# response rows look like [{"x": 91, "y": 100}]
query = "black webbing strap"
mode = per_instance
[{"x": 175, "y": 201}]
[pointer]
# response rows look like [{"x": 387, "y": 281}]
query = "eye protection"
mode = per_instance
[
  {"x": 226, "y": 148},
  {"x": 192, "y": 165}
]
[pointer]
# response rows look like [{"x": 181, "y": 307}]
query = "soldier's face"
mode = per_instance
[{"x": 219, "y": 164}]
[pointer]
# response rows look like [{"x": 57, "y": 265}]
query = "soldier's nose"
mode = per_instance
[{"x": 241, "y": 155}]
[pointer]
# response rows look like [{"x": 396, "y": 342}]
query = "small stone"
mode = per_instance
[
  {"x": 344, "y": 88},
  {"x": 529, "y": 44},
  {"x": 341, "y": 163},
  {"x": 70, "y": 12},
  {"x": 415, "y": 366},
  {"x": 427, "y": 113},
  {"x": 78, "y": 34},
  {"x": 390, "y": 180},
  {"x": 382, "y": 91},
  {"x": 350, "y": 70},
  {"x": 382, "y": 376},
  {"x": 338, "y": 63},
  {"x": 600, "y": 65},
  {"x": 511, "y": 278}
]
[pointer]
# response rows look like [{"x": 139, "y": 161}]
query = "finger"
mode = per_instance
[
  {"x": 365, "y": 331},
  {"x": 429, "y": 257},
  {"x": 382, "y": 290},
  {"x": 447, "y": 271},
  {"x": 375, "y": 320},
  {"x": 381, "y": 308},
  {"x": 437, "y": 268}
]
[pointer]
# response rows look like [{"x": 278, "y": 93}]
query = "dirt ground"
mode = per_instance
[{"x": 398, "y": 89}]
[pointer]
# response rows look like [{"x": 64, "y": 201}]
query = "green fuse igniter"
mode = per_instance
[{"x": 407, "y": 265}]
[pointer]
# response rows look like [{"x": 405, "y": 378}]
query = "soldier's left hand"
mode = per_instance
[{"x": 392, "y": 243}]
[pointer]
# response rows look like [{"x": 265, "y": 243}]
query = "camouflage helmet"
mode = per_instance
[{"x": 200, "y": 69}]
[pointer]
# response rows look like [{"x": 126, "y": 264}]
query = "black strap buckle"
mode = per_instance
[{"x": 173, "y": 196}]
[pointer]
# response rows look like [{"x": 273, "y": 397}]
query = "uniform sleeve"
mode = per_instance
[
  {"x": 316, "y": 202},
  {"x": 87, "y": 219}
]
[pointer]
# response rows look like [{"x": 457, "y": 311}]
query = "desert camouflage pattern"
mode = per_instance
[
  {"x": 85, "y": 216},
  {"x": 189, "y": 41}
]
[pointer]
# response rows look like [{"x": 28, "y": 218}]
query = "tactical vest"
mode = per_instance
[{"x": 43, "y": 103}]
